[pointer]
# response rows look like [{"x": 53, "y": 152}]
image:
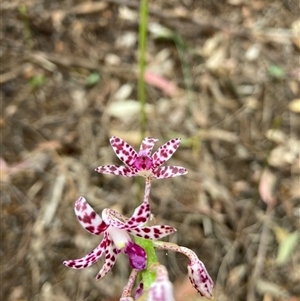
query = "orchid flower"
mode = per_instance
[
  {"x": 116, "y": 229},
  {"x": 142, "y": 163},
  {"x": 197, "y": 272}
]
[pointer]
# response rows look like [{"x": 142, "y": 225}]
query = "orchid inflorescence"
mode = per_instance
[{"x": 118, "y": 229}]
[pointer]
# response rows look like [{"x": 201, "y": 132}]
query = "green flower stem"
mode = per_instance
[
  {"x": 27, "y": 32},
  {"x": 142, "y": 64},
  {"x": 187, "y": 77},
  {"x": 148, "y": 276}
]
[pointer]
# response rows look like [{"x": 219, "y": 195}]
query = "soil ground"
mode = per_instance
[{"x": 222, "y": 75}]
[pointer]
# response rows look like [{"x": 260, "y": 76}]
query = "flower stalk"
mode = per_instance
[{"x": 142, "y": 64}]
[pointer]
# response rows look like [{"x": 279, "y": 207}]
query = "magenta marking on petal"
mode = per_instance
[
  {"x": 138, "y": 219},
  {"x": 165, "y": 152},
  {"x": 137, "y": 256},
  {"x": 139, "y": 291},
  {"x": 143, "y": 161},
  {"x": 88, "y": 259},
  {"x": 168, "y": 172},
  {"x": 123, "y": 150},
  {"x": 200, "y": 278},
  {"x": 153, "y": 232},
  {"x": 110, "y": 217},
  {"x": 140, "y": 215},
  {"x": 88, "y": 218},
  {"x": 147, "y": 145},
  {"x": 118, "y": 170},
  {"x": 111, "y": 253}
]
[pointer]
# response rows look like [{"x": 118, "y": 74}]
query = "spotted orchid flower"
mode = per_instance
[
  {"x": 197, "y": 272},
  {"x": 142, "y": 163},
  {"x": 116, "y": 229}
]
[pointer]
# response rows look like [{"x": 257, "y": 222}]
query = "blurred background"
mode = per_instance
[{"x": 222, "y": 75}]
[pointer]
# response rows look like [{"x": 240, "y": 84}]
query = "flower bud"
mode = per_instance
[
  {"x": 161, "y": 289},
  {"x": 200, "y": 278}
]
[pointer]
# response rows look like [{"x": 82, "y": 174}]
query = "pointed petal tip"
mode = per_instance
[
  {"x": 166, "y": 172},
  {"x": 117, "y": 170},
  {"x": 80, "y": 199},
  {"x": 72, "y": 264}
]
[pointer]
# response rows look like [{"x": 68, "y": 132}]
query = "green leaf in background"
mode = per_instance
[
  {"x": 38, "y": 81},
  {"x": 276, "y": 72},
  {"x": 286, "y": 247},
  {"x": 93, "y": 79}
]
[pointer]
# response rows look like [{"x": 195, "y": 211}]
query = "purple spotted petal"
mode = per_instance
[
  {"x": 88, "y": 218},
  {"x": 137, "y": 256},
  {"x": 111, "y": 253},
  {"x": 200, "y": 278},
  {"x": 168, "y": 172},
  {"x": 147, "y": 145},
  {"x": 123, "y": 150},
  {"x": 153, "y": 232},
  {"x": 109, "y": 217},
  {"x": 140, "y": 216},
  {"x": 117, "y": 170},
  {"x": 165, "y": 152},
  {"x": 88, "y": 259}
]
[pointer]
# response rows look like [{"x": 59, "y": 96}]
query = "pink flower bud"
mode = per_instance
[
  {"x": 200, "y": 278},
  {"x": 161, "y": 289},
  {"x": 197, "y": 272}
]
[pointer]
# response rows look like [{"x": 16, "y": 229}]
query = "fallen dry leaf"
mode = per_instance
[
  {"x": 266, "y": 187},
  {"x": 160, "y": 82},
  {"x": 294, "y": 105}
]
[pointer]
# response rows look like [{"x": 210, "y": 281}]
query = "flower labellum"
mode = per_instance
[{"x": 136, "y": 255}]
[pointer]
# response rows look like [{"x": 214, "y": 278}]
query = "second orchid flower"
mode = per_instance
[
  {"x": 142, "y": 163},
  {"x": 116, "y": 229}
]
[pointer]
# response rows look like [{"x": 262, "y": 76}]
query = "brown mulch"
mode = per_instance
[{"x": 225, "y": 78}]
